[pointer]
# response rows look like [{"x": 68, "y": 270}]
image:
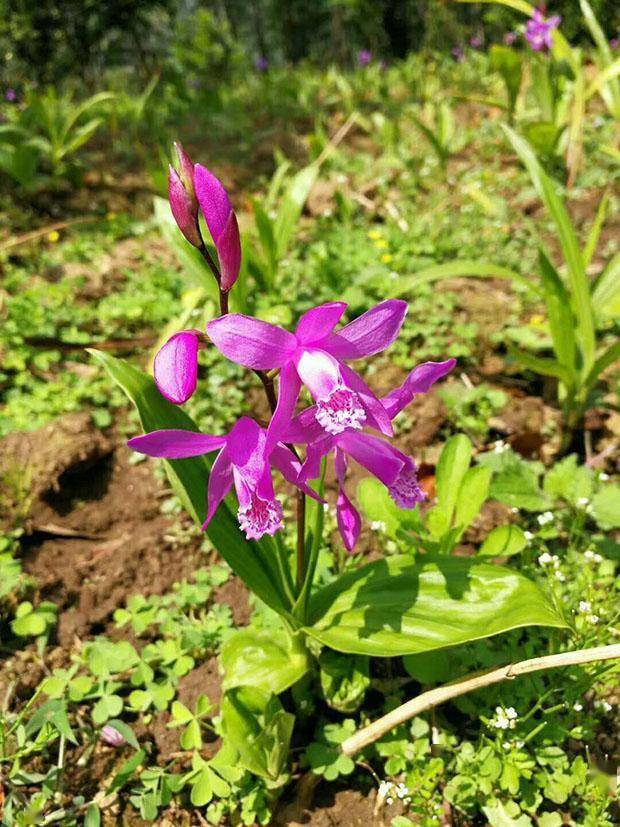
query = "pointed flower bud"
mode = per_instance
[
  {"x": 186, "y": 173},
  {"x": 176, "y": 366},
  {"x": 222, "y": 223},
  {"x": 182, "y": 197}
]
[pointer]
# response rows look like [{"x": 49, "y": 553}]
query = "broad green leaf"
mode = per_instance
[
  {"x": 398, "y": 606},
  {"x": 451, "y": 469},
  {"x": 569, "y": 481},
  {"x": 509, "y": 64},
  {"x": 264, "y": 225},
  {"x": 344, "y": 679},
  {"x": 473, "y": 491},
  {"x": 264, "y": 659},
  {"x": 253, "y": 562},
  {"x": 378, "y": 507},
  {"x": 503, "y": 541},
  {"x": 605, "y": 507},
  {"x": 257, "y": 726},
  {"x": 458, "y": 269},
  {"x": 579, "y": 285},
  {"x": 561, "y": 320},
  {"x": 515, "y": 481},
  {"x": 92, "y": 817}
]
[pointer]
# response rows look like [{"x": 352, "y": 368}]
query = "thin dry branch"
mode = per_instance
[{"x": 435, "y": 697}]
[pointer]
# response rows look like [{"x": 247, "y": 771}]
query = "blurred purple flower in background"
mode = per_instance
[
  {"x": 458, "y": 54},
  {"x": 112, "y": 737},
  {"x": 614, "y": 43},
  {"x": 510, "y": 38},
  {"x": 261, "y": 64},
  {"x": 10, "y": 95},
  {"x": 477, "y": 41},
  {"x": 538, "y": 31},
  {"x": 364, "y": 57}
]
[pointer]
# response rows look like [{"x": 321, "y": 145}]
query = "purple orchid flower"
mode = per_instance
[
  {"x": 182, "y": 197},
  {"x": 395, "y": 470},
  {"x": 222, "y": 223},
  {"x": 242, "y": 461},
  {"x": 314, "y": 355},
  {"x": 457, "y": 53},
  {"x": 476, "y": 41},
  {"x": 510, "y": 38},
  {"x": 10, "y": 95},
  {"x": 261, "y": 64},
  {"x": 614, "y": 43},
  {"x": 364, "y": 57},
  {"x": 175, "y": 367},
  {"x": 538, "y": 31}
]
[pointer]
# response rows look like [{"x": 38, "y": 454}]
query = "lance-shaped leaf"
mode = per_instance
[{"x": 397, "y": 606}]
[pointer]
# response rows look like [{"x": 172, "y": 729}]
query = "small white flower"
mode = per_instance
[
  {"x": 560, "y": 576},
  {"x": 603, "y": 477},
  {"x": 546, "y": 517},
  {"x": 583, "y": 501},
  {"x": 594, "y": 619},
  {"x": 585, "y": 606},
  {"x": 592, "y": 556},
  {"x": 377, "y": 525},
  {"x": 528, "y": 536},
  {"x": 511, "y": 713},
  {"x": 515, "y": 510},
  {"x": 545, "y": 558},
  {"x": 578, "y": 707}
]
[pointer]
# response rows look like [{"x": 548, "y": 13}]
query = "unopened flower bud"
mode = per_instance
[
  {"x": 222, "y": 223},
  {"x": 112, "y": 737},
  {"x": 182, "y": 197},
  {"x": 176, "y": 366}
]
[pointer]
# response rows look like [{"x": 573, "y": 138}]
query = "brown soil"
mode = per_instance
[{"x": 96, "y": 534}]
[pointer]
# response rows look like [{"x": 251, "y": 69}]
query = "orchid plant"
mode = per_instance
[{"x": 394, "y": 606}]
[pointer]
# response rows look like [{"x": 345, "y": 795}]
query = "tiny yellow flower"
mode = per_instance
[
  {"x": 537, "y": 320},
  {"x": 381, "y": 244},
  {"x": 374, "y": 234},
  {"x": 53, "y": 236},
  {"x": 386, "y": 258},
  {"x": 111, "y": 216}
]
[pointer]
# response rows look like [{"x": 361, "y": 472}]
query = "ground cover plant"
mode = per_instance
[{"x": 364, "y": 320}]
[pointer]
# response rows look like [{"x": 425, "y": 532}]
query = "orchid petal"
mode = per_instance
[
  {"x": 229, "y": 253},
  {"x": 221, "y": 221},
  {"x": 251, "y": 342},
  {"x": 175, "y": 444},
  {"x": 349, "y": 521},
  {"x": 183, "y": 209},
  {"x": 288, "y": 393},
  {"x": 319, "y": 322},
  {"x": 246, "y": 448},
  {"x": 176, "y": 367},
  {"x": 340, "y": 465},
  {"x": 319, "y": 372},
  {"x": 311, "y": 469},
  {"x": 419, "y": 381},
  {"x": 289, "y": 466},
  {"x": 379, "y": 457},
  {"x": 369, "y": 334},
  {"x": 220, "y": 483}
]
